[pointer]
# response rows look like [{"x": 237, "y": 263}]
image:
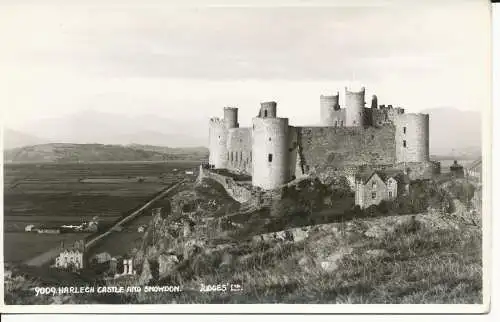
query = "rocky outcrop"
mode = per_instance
[{"x": 167, "y": 264}]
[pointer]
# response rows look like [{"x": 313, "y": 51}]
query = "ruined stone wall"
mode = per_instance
[
  {"x": 239, "y": 150},
  {"x": 325, "y": 148},
  {"x": 420, "y": 170},
  {"x": 236, "y": 190},
  {"x": 412, "y": 137},
  {"x": 270, "y": 152}
]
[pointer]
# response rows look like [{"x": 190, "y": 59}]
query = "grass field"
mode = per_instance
[{"x": 55, "y": 194}]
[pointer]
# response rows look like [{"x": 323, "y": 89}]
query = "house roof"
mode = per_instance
[{"x": 398, "y": 175}]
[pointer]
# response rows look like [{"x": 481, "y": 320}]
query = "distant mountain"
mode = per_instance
[
  {"x": 90, "y": 126},
  {"x": 66, "y": 152},
  {"x": 454, "y": 133},
  {"x": 15, "y": 139}
]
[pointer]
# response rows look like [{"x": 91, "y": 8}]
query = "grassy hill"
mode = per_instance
[{"x": 69, "y": 152}]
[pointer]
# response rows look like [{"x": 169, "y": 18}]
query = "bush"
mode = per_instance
[{"x": 383, "y": 207}]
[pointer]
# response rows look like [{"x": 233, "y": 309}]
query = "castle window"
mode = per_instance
[
  {"x": 404, "y": 143},
  {"x": 374, "y": 195},
  {"x": 241, "y": 155},
  {"x": 270, "y": 157},
  {"x": 404, "y": 130}
]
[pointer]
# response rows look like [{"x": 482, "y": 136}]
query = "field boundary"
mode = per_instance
[{"x": 89, "y": 244}]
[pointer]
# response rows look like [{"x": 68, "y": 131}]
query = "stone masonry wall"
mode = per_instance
[
  {"x": 323, "y": 148},
  {"x": 239, "y": 150},
  {"x": 236, "y": 190}
]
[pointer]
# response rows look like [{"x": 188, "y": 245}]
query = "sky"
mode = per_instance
[{"x": 189, "y": 61}]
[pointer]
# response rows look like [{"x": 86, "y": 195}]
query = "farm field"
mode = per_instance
[{"x": 56, "y": 194}]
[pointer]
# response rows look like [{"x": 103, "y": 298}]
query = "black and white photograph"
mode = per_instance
[{"x": 321, "y": 153}]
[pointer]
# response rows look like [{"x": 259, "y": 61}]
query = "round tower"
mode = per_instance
[
  {"x": 374, "y": 101},
  {"x": 412, "y": 137},
  {"x": 217, "y": 138},
  {"x": 231, "y": 117},
  {"x": 267, "y": 109},
  {"x": 328, "y": 104},
  {"x": 270, "y": 157},
  {"x": 355, "y": 105}
]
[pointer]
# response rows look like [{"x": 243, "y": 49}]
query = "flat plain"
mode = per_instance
[{"x": 53, "y": 194}]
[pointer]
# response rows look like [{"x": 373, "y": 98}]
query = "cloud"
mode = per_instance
[{"x": 63, "y": 58}]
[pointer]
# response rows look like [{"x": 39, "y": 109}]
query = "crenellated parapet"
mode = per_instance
[{"x": 274, "y": 153}]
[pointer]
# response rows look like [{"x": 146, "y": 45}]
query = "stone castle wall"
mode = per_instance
[
  {"x": 329, "y": 147},
  {"x": 235, "y": 190},
  {"x": 239, "y": 150}
]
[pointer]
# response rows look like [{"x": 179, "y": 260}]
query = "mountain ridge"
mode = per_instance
[{"x": 71, "y": 152}]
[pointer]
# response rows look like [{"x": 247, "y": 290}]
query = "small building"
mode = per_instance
[
  {"x": 372, "y": 188},
  {"x": 102, "y": 258},
  {"x": 457, "y": 170},
  {"x": 70, "y": 259}
]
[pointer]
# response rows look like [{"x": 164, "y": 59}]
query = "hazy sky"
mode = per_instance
[{"x": 189, "y": 61}]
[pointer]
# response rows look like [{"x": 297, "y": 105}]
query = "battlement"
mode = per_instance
[
  {"x": 216, "y": 121},
  {"x": 274, "y": 152}
]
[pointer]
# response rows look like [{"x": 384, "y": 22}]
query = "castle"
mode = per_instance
[{"x": 348, "y": 140}]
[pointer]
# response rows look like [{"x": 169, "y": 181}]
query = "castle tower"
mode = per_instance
[
  {"x": 328, "y": 104},
  {"x": 267, "y": 109},
  {"x": 355, "y": 104},
  {"x": 231, "y": 117},
  {"x": 412, "y": 137},
  {"x": 270, "y": 156},
  {"x": 217, "y": 138},
  {"x": 374, "y": 101}
]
